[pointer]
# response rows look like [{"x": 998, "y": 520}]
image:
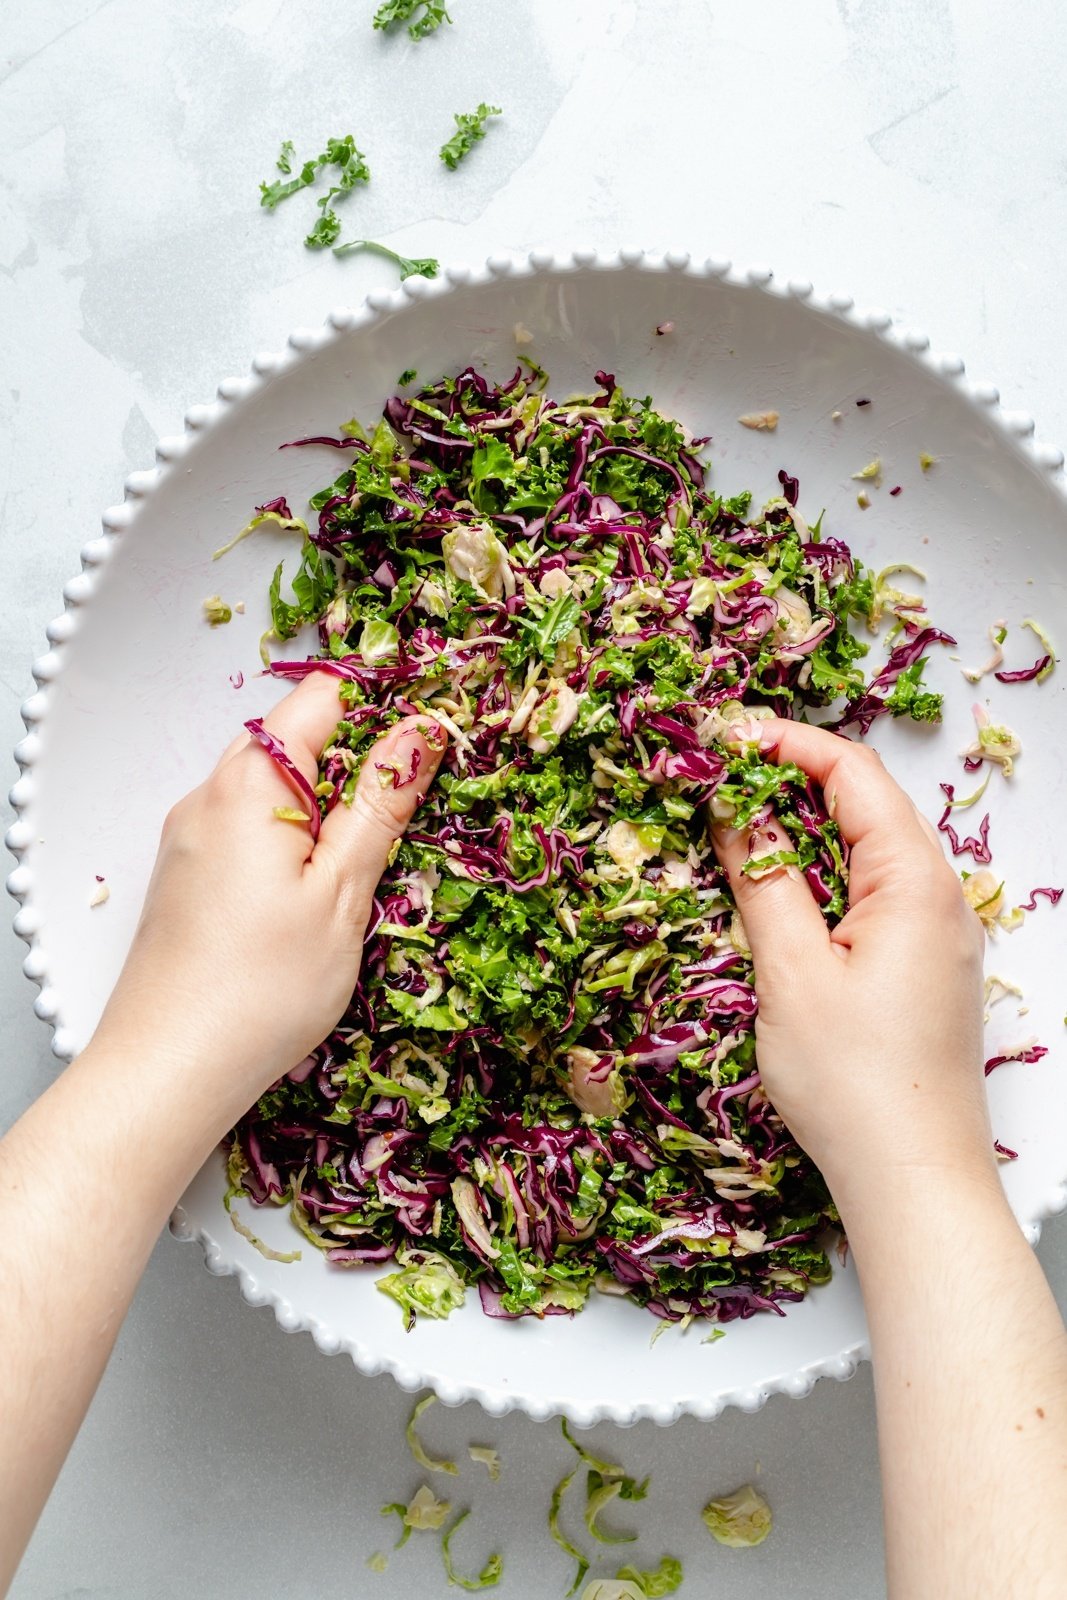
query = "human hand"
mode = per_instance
[
  {"x": 250, "y": 941},
  {"x": 869, "y": 1035}
]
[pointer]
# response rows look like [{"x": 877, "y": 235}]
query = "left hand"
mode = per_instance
[{"x": 250, "y": 940}]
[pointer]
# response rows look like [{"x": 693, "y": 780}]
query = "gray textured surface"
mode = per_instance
[{"x": 909, "y": 151}]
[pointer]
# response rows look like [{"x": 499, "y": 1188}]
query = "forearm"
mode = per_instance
[
  {"x": 87, "y": 1179},
  {"x": 970, "y": 1364}
]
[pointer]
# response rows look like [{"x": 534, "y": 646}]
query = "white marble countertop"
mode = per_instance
[{"x": 911, "y": 152}]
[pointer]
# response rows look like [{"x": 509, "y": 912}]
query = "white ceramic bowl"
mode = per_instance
[{"x": 135, "y": 700}]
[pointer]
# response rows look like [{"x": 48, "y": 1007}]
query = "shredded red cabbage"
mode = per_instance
[
  {"x": 1052, "y": 895},
  {"x": 276, "y": 750},
  {"x": 978, "y": 847},
  {"x": 1025, "y": 674},
  {"x": 1032, "y": 1053}
]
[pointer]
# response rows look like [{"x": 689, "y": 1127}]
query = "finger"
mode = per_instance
[
  {"x": 930, "y": 831},
  {"x": 299, "y": 726},
  {"x": 877, "y": 819},
  {"x": 782, "y": 922},
  {"x": 234, "y": 748},
  {"x": 305, "y": 719},
  {"x": 356, "y": 840}
]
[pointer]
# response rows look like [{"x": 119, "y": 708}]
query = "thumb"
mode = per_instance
[
  {"x": 356, "y": 840},
  {"x": 783, "y": 925}
]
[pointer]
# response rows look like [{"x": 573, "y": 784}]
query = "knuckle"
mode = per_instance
[
  {"x": 864, "y": 756},
  {"x": 178, "y": 819},
  {"x": 232, "y": 781}
]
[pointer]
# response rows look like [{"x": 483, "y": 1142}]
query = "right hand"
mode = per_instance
[{"x": 869, "y": 1034}]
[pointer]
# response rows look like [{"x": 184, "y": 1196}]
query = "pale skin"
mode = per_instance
[{"x": 869, "y": 1042}]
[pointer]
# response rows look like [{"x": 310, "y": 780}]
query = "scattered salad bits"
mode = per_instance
[
  {"x": 487, "y": 1457},
  {"x": 760, "y": 421},
  {"x": 234, "y": 1190},
  {"x": 415, "y": 1445},
  {"x": 662, "y": 1580},
  {"x": 997, "y": 988},
  {"x": 863, "y": 402},
  {"x": 739, "y": 1520},
  {"x": 927, "y": 461},
  {"x": 835, "y": 416},
  {"x": 630, "y": 1584},
  {"x": 566, "y": 1545},
  {"x": 984, "y": 894},
  {"x": 871, "y": 473},
  {"x": 100, "y": 895},
  {"x": 994, "y": 742},
  {"x": 274, "y": 511},
  {"x": 351, "y": 168},
  {"x": 978, "y": 847},
  {"x": 606, "y": 1481},
  {"x": 664, "y": 327},
  {"x": 1041, "y": 668},
  {"x": 378, "y": 1562},
  {"x": 545, "y": 1084},
  {"x": 423, "y": 1512},
  {"x": 1028, "y": 1053},
  {"x": 1053, "y": 896},
  {"x": 409, "y": 267},
  {"x": 470, "y": 127},
  {"x": 907, "y": 610},
  {"x": 998, "y": 632},
  {"x": 216, "y": 611},
  {"x": 423, "y": 17},
  {"x": 490, "y": 1574},
  {"x": 863, "y": 500},
  {"x": 896, "y": 489}
]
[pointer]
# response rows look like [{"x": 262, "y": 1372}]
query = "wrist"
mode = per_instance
[
  {"x": 916, "y": 1205},
  {"x": 192, "y": 1091}
]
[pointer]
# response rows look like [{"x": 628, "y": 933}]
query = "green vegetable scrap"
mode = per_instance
[
  {"x": 216, "y": 611},
  {"x": 423, "y": 1512},
  {"x": 423, "y": 17},
  {"x": 415, "y": 1445},
  {"x": 490, "y": 1574},
  {"x": 410, "y": 267},
  {"x": 352, "y": 169},
  {"x": 739, "y": 1520},
  {"x": 630, "y": 1584},
  {"x": 470, "y": 127},
  {"x": 607, "y": 1481}
]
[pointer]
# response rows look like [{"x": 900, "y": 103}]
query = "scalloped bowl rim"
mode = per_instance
[{"x": 117, "y": 519}]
